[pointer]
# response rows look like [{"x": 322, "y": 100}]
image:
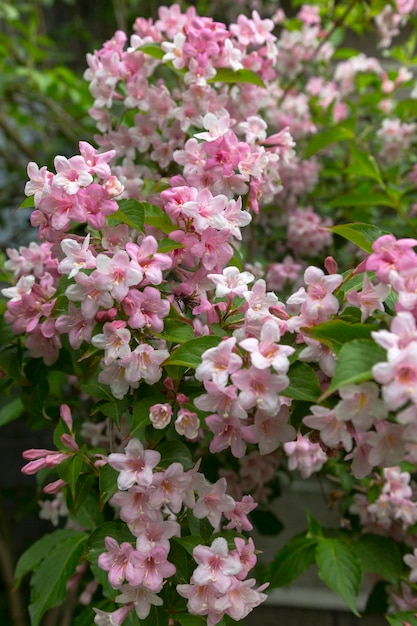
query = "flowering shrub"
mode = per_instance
[{"x": 146, "y": 325}]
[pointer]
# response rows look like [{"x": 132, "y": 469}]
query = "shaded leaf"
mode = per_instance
[
  {"x": 290, "y": 562},
  {"x": 49, "y": 582},
  {"x": 189, "y": 354},
  {"x": 379, "y": 555},
  {"x": 131, "y": 212},
  {"x": 340, "y": 569},
  {"x": 326, "y": 138},
  {"x": 11, "y": 411},
  {"x": 266, "y": 522},
  {"x": 362, "y": 235},
  {"x": 175, "y": 452},
  {"x": 227, "y": 75},
  {"x": 354, "y": 363},
  {"x": 336, "y": 333},
  {"x": 107, "y": 482},
  {"x": 95, "y": 544},
  {"x": 304, "y": 384}
]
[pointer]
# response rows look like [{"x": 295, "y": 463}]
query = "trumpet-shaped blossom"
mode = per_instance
[{"x": 135, "y": 465}]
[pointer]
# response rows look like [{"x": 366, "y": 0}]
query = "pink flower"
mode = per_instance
[
  {"x": 71, "y": 174},
  {"x": 216, "y": 565},
  {"x": 267, "y": 352},
  {"x": 160, "y": 415},
  {"x": 187, "y": 424},
  {"x": 135, "y": 465},
  {"x": 370, "y": 299},
  {"x": 141, "y": 598},
  {"x": 398, "y": 376},
  {"x": 391, "y": 254},
  {"x": 213, "y": 501},
  {"x": 217, "y": 363},
  {"x": 333, "y": 431}
]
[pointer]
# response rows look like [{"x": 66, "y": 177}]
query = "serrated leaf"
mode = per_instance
[
  {"x": 304, "y": 384},
  {"x": 115, "y": 409},
  {"x": 130, "y": 212},
  {"x": 189, "y": 543},
  {"x": 107, "y": 482},
  {"x": 380, "y": 555},
  {"x": 189, "y": 354},
  {"x": 361, "y": 198},
  {"x": 364, "y": 164},
  {"x": 227, "y": 75},
  {"x": 70, "y": 470},
  {"x": 11, "y": 411},
  {"x": 326, "y": 138},
  {"x": 95, "y": 544},
  {"x": 354, "y": 363},
  {"x": 49, "y": 582},
  {"x": 292, "y": 561},
  {"x": 176, "y": 331},
  {"x": 175, "y": 452},
  {"x": 38, "y": 550},
  {"x": 362, "y": 235},
  {"x": 336, "y": 333},
  {"x": 156, "y": 217},
  {"x": 340, "y": 569},
  {"x": 98, "y": 391}
]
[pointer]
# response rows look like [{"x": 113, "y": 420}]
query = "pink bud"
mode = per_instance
[
  {"x": 330, "y": 265},
  {"x": 69, "y": 442},
  {"x": 55, "y": 487},
  {"x": 66, "y": 416}
]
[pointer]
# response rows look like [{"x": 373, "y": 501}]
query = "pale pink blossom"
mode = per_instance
[{"x": 135, "y": 465}]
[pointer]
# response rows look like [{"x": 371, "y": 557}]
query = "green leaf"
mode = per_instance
[
  {"x": 227, "y": 75},
  {"x": 70, "y": 470},
  {"x": 361, "y": 198},
  {"x": 266, "y": 523},
  {"x": 11, "y": 411},
  {"x": 95, "y": 544},
  {"x": 131, "y": 212},
  {"x": 292, "y": 561},
  {"x": 402, "y": 618},
  {"x": 364, "y": 164},
  {"x": 340, "y": 569},
  {"x": 141, "y": 412},
  {"x": 167, "y": 245},
  {"x": 189, "y": 543},
  {"x": 336, "y": 333},
  {"x": 156, "y": 217},
  {"x": 189, "y": 354},
  {"x": 107, "y": 482},
  {"x": 304, "y": 384},
  {"x": 115, "y": 409},
  {"x": 379, "y": 555},
  {"x": 27, "y": 203},
  {"x": 326, "y": 138},
  {"x": 49, "y": 582},
  {"x": 38, "y": 551},
  {"x": 89, "y": 515},
  {"x": 354, "y": 363},
  {"x": 362, "y": 235},
  {"x": 98, "y": 391},
  {"x": 175, "y": 452},
  {"x": 153, "y": 50},
  {"x": 176, "y": 331}
]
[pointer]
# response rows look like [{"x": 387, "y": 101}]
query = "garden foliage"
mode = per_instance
[{"x": 222, "y": 293}]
